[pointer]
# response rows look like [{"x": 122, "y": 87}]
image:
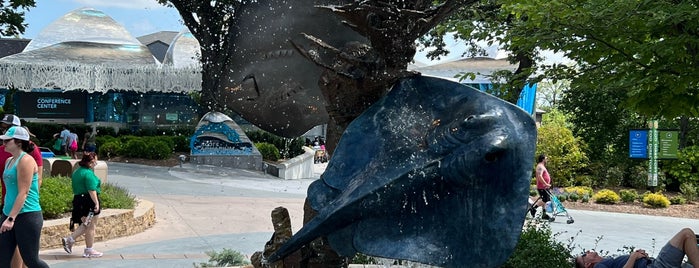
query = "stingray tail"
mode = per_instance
[{"x": 307, "y": 234}]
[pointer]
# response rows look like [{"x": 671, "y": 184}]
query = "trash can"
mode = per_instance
[{"x": 101, "y": 171}]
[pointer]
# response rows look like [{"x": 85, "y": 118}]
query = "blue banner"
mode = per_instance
[{"x": 638, "y": 143}]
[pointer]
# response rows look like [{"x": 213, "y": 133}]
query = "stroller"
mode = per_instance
[{"x": 555, "y": 206}]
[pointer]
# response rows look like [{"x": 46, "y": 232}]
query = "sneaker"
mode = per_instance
[
  {"x": 68, "y": 244},
  {"x": 545, "y": 216},
  {"x": 532, "y": 211},
  {"x": 91, "y": 253}
]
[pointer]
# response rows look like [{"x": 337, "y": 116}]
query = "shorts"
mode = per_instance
[
  {"x": 544, "y": 195},
  {"x": 668, "y": 257}
]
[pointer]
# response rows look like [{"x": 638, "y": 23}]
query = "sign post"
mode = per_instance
[{"x": 653, "y": 154}]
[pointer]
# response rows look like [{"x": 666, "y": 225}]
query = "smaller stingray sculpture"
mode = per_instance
[{"x": 435, "y": 172}]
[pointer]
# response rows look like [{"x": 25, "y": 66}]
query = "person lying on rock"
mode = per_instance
[{"x": 670, "y": 256}]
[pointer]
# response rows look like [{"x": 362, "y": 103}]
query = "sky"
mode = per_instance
[
  {"x": 142, "y": 17},
  {"x": 139, "y": 17}
]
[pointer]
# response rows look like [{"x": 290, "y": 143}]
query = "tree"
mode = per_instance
[
  {"x": 646, "y": 49},
  {"x": 566, "y": 152},
  {"x": 487, "y": 22},
  {"x": 12, "y": 16},
  {"x": 549, "y": 93}
]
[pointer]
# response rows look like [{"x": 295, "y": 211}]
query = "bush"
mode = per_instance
[
  {"x": 628, "y": 196},
  {"x": 638, "y": 177},
  {"x": 562, "y": 197},
  {"x": 606, "y": 196},
  {"x": 135, "y": 147},
  {"x": 110, "y": 149},
  {"x": 574, "y": 197},
  {"x": 580, "y": 190},
  {"x": 678, "y": 200},
  {"x": 585, "y": 199},
  {"x": 56, "y": 197},
  {"x": 268, "y": 151},
  {"x": 538, "y": 248},
  {"x": 157, "y": 150},
  {"x": 114, "y": 196},
  {"x": 689, "y": 191},
  {"x": 226, "y": 258},
  {"x": 657, "y": 200},
  {"x": 287, "y": 147}
]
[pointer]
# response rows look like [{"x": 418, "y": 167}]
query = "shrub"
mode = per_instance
[
  {"x": 574, "y": 197},
  {"x": 114, "y": 196},
  {"x": 56, "y": 196},
  {"x": 181, "y": 143},
  {"x": 585, "y": 199},
  {"x": 110, "y": 149},
  {"x": 157, "y": 149},
  {"x": 678, "y": 200},
  {"x": 657, "y": 200},
  {"x": 689, "y": 191},
  {"x": 287, "y": 147},
  {"x": 606, "y": 196},
  {"x": 135, "y": 147},
  {"x": 628, "y": 196},
  {"x": 538, "y": 248},
  {"x": 562, "y": 197},
  {"x": 580, "y": 190},
  {"x": 268, "y": 151},
  {"x": 614, "y": 176},
  {"x": 638, "y": 177},
  {"x": 225, "y": 258}
]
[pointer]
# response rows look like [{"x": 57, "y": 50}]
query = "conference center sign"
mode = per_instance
[{"x": 643, "y": 141}]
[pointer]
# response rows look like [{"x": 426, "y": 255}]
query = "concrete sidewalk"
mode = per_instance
[{"x": 201, "y": 209}]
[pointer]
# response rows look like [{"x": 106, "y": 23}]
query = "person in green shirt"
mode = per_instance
[{"x": 86, "y": 206}]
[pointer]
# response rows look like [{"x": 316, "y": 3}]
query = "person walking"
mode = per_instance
[
  {"x": 86, "y": 206},
  {"x": 22, "y": 218},
  {"x": 90, "y": 141},
  {"x": 543, "y": 183},
  {"x": 8, "y": 121}
]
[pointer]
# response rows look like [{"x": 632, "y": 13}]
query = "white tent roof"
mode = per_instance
[{"x": 87, "y": 50}]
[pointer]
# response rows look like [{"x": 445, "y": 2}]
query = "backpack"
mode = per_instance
[{"x": 73, "y": 146}]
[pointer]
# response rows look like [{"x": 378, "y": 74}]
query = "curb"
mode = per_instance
[{"x": 113, "y": 223}]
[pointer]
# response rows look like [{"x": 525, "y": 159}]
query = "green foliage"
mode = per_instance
[
  {"x": 12, "y": 16},
  {"x": 157, "y": 149},
  {"x": 638, "y": 177},
  {"x": 135, "y": 147},
  {"x": 269, "y": 151},
  {"x": 657, "y": 200},
  {"x": 110, "y": 149},
  {"x": 585, "y": 199},
  {"x": 678, "y": 200},
  {"x": 606, "y": 196},
  {"x": 56, "y": 196},
  {"x": 114, "y": 196},
  {"x": 628, "y": 195},
  {"x": 562, "y": 197},
  {"x": 360, "y": 258},
  {"x": 181, "y": 143},
  {"x": 225, "y": 258},
  {"x": 538, "y": 248},
  {"x": 565, "y": 152},
  {"x": 574, "y": 197},
  {"x": 686, "y": 168},
  {"x": 689, "y": 191},
  {"x": 580, "y": 190},
  {"x": 288, "y": 148}
]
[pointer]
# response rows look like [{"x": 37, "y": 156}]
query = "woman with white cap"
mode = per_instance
[{"x": 21, "y": 218}]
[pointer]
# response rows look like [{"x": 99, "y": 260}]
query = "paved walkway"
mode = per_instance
[{"x": 200, "y": 209}]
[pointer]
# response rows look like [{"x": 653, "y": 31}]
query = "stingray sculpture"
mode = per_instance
[
  {"x": 435, "y": 172},
  {"x": 270, "y": 84}
]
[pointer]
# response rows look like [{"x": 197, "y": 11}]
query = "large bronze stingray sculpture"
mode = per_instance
[
  {"x": 435, "y": 172},
  {"x": 270, "y": 84}
]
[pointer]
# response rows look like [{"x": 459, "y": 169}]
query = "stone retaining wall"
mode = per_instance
[{"x": 113, "y": 223}]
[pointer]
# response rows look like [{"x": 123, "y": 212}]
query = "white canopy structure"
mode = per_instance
[{"x": 87, "y": 50}]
